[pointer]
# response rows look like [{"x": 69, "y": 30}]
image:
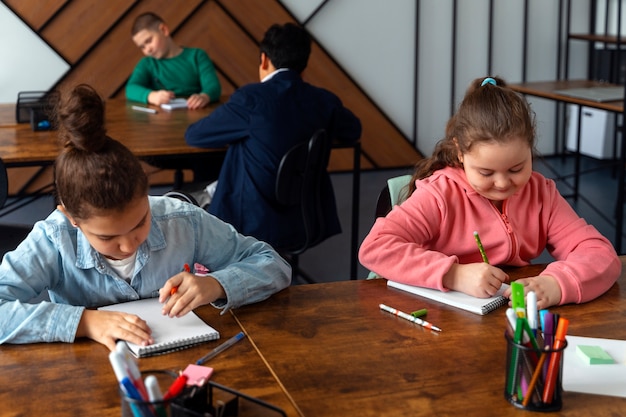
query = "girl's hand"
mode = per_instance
[
  {"x": 546, "y": 287},
  {"x": 107, "y": 327},
  {"x": 191, "y": 291},
  {"x": 478, "y": 279}
]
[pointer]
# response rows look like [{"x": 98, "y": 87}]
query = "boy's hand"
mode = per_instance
[
  {"x": 197, "y": 101},
  {"x": 107, "y": 327},
  {"x": 191, "y": 291},
  {"x": 158, "y": 97},
  {"x": 478, "y": 279}
]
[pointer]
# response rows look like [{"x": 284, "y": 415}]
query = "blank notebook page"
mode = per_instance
[{"x": 169, "y": 334}]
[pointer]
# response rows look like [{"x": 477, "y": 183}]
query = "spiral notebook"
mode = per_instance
[
  {"x": 170, "y": 334},
  {"x": 458, "y": 299}
]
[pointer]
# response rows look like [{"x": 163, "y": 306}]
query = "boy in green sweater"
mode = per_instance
[{"x": 168, "y": 70}]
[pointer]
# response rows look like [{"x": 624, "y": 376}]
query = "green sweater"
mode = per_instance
[{"x": 190, "y": 72}]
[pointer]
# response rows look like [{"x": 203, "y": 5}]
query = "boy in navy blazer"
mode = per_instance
[{"x": 260, "y": 123}]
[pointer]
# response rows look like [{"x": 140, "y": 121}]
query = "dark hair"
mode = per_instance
[
  {"x": 147, "y": 20},
  {"x": 287, "y": 46},
  {"x": 489, "y": 112},
  {"x": 93, "y": 172}
]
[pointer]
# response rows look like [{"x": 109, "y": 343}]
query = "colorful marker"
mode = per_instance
[{"x": 409, "y": 317}]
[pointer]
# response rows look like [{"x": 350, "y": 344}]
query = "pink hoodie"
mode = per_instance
[{"x": 419, "y": 240}]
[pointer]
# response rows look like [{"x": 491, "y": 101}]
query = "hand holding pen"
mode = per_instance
[{"x": 185, "y": 291}]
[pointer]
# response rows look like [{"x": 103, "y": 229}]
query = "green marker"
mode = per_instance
[
  {"x": 419, "y": 313},
  {"x": 480, "y": 247}
]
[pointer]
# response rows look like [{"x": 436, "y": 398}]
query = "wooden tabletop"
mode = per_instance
[
  {"x": 76, "y": 379},
  {"x": 325, "y": 350},
  {"x": 145, "y": 134},
  {"x": 336, "y": 353},
  {"x": 546, "y": 89}
]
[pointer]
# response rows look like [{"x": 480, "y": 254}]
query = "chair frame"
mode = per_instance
[{"x": 298, "y": 182}]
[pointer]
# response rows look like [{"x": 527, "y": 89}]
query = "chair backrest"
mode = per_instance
[
  {"x": 393, "y": 193},
  {"x": 298, "y": 183},
  {"x": 4, "y": 184}
]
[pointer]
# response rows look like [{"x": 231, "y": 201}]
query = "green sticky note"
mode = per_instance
[{"x": 593, "y": 355}]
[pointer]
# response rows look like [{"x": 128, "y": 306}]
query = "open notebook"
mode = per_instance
[
  {"x": 170, "y": 334},
  {"x": 457, "y": 299}
]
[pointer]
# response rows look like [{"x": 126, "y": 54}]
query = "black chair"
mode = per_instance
[
  {"x": 12, "y": 234},
  {"x": 298, "y": 183}
]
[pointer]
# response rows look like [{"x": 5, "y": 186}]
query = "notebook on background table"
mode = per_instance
[{"x": 597, "y": 94}]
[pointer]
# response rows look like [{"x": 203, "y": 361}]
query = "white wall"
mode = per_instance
[
  {"x": 372, "y": 40},
  {"x": 28, "y": 63}
]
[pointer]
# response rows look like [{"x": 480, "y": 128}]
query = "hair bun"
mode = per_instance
[{"x": 80, "y": 115}]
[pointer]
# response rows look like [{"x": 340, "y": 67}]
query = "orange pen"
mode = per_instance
[
  {"x": 174, "y": 289},
  {"x": 555, "y": 359}
]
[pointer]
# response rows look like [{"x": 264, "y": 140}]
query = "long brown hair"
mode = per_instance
[
  {"x": 489, "y": 112},
  {"x": 93, "y": 172}
]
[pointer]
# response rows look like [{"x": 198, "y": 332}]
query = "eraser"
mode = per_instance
[
  {"x": 593, "y": 355},
  {"x": 197, "y": 375}
]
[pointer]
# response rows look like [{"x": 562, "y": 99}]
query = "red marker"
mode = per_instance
[{"x": 176, "y": 387}]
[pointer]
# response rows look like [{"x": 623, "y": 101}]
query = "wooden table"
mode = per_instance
[
  {"x": 336, "y": 353},
  {"x": 325, "y": 350},
  {"x": 61, "y": 379},
  {"x": 145, "y": 134}
]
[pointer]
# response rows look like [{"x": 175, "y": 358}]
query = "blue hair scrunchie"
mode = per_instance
[{"x": 488, "y": 80}]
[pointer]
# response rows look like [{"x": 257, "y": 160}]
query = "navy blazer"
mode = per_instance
[{"x": 260, "y": 123}]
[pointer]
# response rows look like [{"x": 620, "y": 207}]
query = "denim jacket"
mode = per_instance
[{"x": 57, "y": 258}]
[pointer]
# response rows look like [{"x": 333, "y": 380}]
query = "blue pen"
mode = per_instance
[
  {"x": 542, "y": 318},
  {"x": 221, "y": 348}
]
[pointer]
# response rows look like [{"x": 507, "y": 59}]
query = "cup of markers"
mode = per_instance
[
  {"x": 534, "y": 357},
  {"x": 156, "y": 383}
]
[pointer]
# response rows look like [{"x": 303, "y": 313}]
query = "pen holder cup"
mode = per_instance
[
  {"x": 533, "y": 377},
  {"x": 138, "y": 408}
]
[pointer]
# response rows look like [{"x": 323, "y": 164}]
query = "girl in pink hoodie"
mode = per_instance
[{"x": 480, "y": 178}]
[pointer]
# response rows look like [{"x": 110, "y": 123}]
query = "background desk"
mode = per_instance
[
  {"x": 546, "y": 90},
  {"x": 145, "y": 134},
  {"x": 336, "y": 353}
]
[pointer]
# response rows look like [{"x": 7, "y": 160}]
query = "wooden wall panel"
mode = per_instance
[
  {"x": 35, "y": 12},
  {"x": 229, "y": 47},
  {"x": 255, "y": 15},
  {"x": 73, "y": 40}
]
